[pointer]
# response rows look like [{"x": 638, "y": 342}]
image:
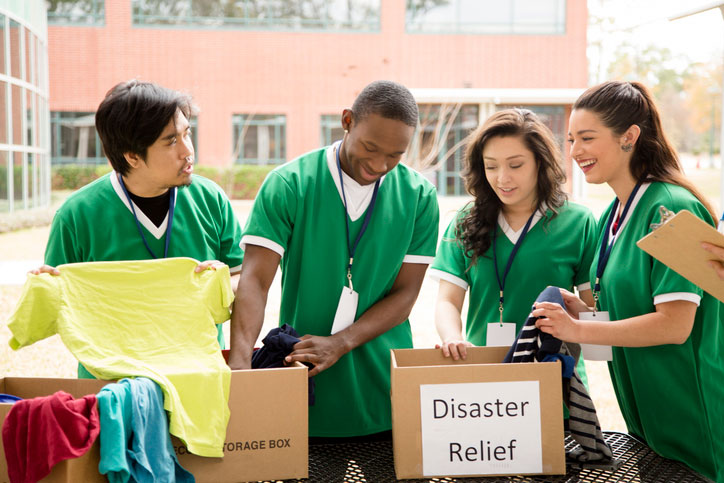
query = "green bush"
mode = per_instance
[
  {"x": 239, "y": 181},
  {"x": 74, "y": 176}
]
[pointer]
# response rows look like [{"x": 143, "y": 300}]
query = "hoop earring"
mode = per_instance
[{"x": 627, "y": 147}]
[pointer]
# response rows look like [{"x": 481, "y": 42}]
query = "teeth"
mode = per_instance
[
  {"x": 589, "y": 162},
  {"x": 506, "y": 190}
]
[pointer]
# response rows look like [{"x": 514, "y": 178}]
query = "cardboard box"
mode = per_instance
[
  {"x": 267, "y": 435},
  {"x": 476, "y": 417}
]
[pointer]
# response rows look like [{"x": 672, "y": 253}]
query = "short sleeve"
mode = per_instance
[
  {"x": 666, "y": 284},
  {"x": 272, "y": 216},
  {"x": 450, "y": 261},
  {"x": 218, "y": 295},
  {"x": 36, "y": 314},
  {"x": 424, "y": 235},
  {"x": 588, "y": 239},
  {"x": 62, "y": 246},
  {"x": 230, "y": 236}
]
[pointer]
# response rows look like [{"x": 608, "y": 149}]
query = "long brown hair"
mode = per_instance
[
  {"x": 475, "y": 228},
  {"x": 619, "y": 105}
]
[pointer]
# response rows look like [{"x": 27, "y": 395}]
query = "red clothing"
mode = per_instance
[{"x": 40, "y": 432}]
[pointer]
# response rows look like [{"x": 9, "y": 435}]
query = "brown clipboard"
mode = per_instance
[{"x": 677, "y": 244}]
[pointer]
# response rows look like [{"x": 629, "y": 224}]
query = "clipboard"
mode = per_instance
[{"x": 677, "y": 244}]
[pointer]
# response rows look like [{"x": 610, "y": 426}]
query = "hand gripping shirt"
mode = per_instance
[
  {"x": 95, "y": 224},
  {"x": 151, "y": 318},
  {"x": 299, "y": 214},
  {"x": 670, "y": 395}
]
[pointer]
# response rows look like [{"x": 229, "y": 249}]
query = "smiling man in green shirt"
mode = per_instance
[{"x": 354, "y": 231}]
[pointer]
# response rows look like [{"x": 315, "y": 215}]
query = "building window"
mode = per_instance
[
  {"x": 295, "y": 15},
  {"x": 259, "y": 138},
  {"x": 507, "y": 17},
  {"x": 76, "y": 12},
  {"x": 332, "y": 131},
  {"x": 24, "y": 160},
  {"x": 74, "y": 138},
  {"x": 439, "y": 142}
]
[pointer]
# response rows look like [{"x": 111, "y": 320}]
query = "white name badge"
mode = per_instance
[
  {"x": 595, "y": 352},
  {"x": 346, "y": 310},
  {"x": 500, "y": 334}
]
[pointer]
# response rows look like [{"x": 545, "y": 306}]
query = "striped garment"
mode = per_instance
[{"x": 532, "y": 345}]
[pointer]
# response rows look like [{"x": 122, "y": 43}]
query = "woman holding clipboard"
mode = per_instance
[
  {"x": 667, "y": 334},
  {"x": 516, "y": 237}
]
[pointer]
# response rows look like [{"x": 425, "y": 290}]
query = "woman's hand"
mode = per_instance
[{"x": 457, "y": 349}]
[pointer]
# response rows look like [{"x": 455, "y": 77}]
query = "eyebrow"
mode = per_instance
[
  {"x": 375, "y": 146},
  {"x": 174, "y": 134},
  {"x": 582, "y": 131},
  {"x": 508, "y": 158}
]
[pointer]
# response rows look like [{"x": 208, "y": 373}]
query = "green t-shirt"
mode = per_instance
[
  {"x": 556, "y": 251},
  {"x": 671, "y": 395},
  {"x": 95, "y": 224},
  {"x": 299, "y": 213},
  {"x": 146, "y": 318}
]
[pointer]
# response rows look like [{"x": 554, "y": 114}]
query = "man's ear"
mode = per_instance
[
  {"x": 133, "y": 159},
  {"x": 347, "y": 119}
]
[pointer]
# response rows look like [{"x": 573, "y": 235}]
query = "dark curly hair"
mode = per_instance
[
  {"x": 619, "y": 105},
  {"x": 474, "y": 230}
]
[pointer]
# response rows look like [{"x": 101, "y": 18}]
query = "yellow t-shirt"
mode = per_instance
[{"x": 150, "y": 318}]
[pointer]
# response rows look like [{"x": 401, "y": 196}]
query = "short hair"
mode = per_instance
[
  {"x": 132, "y": 117},
  {"x": 387, "y": 99}
]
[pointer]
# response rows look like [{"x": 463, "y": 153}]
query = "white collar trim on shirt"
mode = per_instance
[
  {"x": 156, "y": 231},
  {"x": 358, "y": 196},
  {"x": 512, "y": 235},
  {"x": 631, "y": 209}
]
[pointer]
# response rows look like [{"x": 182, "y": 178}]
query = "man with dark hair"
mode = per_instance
[
  {"x": 345, "y": 218},
  {"x": 150, "y": 205}
]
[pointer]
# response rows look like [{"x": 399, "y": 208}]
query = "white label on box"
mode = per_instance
[
  {"x": 481, "y": 428},
  {"x": 595, "y": 352}
]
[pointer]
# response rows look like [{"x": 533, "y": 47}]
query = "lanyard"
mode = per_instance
[
  {"x": 368, "y": 215},
  {"x": 501, "y": 281},
  {"x": 605, "y": 251},
  {"x": 171, "y": 204}
]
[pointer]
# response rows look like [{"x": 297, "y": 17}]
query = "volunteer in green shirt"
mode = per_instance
[
  {"x": 668, "y": 354},
  {"x": 354, "y": 230},
  {"x": 518, "y": 235},
  {"x": 151, "y": 205}
]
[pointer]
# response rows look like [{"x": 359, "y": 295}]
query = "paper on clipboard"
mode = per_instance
[{"x": 677, "y": 244}]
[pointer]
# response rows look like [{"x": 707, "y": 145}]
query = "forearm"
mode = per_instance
[
  {"x": 386, "y": 314},
  {"x": 247, "y": 318},
  {"x": 448, "y": 322},
  {"x": 650, "y": 329}
]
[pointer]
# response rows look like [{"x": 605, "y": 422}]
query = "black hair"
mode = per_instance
[
  {"x": 387, "y": 99},
  {"x": 132, "y": 117}
]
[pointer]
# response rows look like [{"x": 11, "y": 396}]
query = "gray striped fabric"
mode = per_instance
[{"x": 533, "y": 345}]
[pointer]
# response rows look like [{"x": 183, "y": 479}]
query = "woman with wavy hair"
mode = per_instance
[
  {"x": 667, "y": 335},
  {"x": 516, "y": 237}
]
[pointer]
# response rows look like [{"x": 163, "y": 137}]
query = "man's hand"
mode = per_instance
[
  {"x": 321, "y": 352},
  {"x": 45, "y": 269},
  {"x": 208, "y": 264}
]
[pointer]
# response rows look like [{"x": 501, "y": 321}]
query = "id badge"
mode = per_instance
[
  {"x": 346, "y": 310},
  {"x": 500, "y": 334},
  {"x": 595, "y": 352}
]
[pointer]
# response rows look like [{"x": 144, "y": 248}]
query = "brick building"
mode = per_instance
[{"x": 271, "y": 77}]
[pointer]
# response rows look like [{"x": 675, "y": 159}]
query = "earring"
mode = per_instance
[
  {"x": 346, "y": 131},
  {"x": 627, "y": 147}
]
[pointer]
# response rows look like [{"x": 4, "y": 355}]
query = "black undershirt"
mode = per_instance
[{"x": 154, "y": 208}]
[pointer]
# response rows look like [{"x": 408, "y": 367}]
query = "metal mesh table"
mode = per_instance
[{"x": 373, "y": 463}]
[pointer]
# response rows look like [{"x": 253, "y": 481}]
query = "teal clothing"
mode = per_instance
[
  {"x": 299, "y": 213},
  {"x": 557, "y": 251},
  {"x": 95, "y": 224},
  {"x": 670, "y": 395},
  {"x": 134, "y": 439}
]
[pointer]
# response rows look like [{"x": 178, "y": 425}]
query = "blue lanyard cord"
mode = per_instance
[
  {"x": 352, "y": 248},
  {"x": 605, "y": 251},
  {"x": 171, "y": 205},
  {"x": 501, "y": 281}
]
